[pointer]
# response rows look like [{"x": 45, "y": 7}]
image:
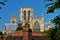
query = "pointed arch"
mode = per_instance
[
  {"x": 24, "y": 14},
  {"x": 36, "y": 27},
  {"x": 29, "y": 15}
]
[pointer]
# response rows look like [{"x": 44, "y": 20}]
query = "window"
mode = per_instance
[
  {"x": 36, "y": 27},
  {"x": 25, "y": 15},
  {"x": 28, "y": 15}
]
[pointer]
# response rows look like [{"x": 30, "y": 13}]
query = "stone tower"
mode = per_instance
[
  {"x": 13, "y": 19},
  {"x": 42, "y": 23},
  {"x": 49, "y": 25},
  {"x": 26, "y": 14},
  {"x": 4, "y": 29}
]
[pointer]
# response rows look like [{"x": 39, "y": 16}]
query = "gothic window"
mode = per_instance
[
  {"x": 25, "y": 15},
  {"x": 28, "y": 15},
  {"x": 36, "y": 27}
]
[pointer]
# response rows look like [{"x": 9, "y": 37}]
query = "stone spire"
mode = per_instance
[
  {"x": 36, "y": 15},
  {"x": 42, "y": 16},
  {"x": 13, "y": 19},
  {"x": 42, "y": 24},
  {"x": 49, "y": 24}
]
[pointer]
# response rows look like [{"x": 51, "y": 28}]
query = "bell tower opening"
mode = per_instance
[
  {"x": 24, "y": 14},
  {"x": 29, "y": 15}
]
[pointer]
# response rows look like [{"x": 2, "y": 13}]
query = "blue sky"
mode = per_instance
[{"x": 12, "y": 7}]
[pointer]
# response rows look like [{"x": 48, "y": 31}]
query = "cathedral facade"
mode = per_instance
[{"x": 26, "y": 15}]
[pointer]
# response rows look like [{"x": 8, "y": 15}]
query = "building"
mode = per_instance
[
  {"x": 25, "y": 34},
  {"x": 9, "y": 28},
  {"x": 26, "y": 15}
]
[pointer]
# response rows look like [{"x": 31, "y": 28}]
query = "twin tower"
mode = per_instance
[{"x": 26, "y": 15}]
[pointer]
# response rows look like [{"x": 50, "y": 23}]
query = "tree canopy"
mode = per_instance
[
  {"x": 56, "y": 20},
  {"x": 1, "y": 33},
  {"x": 54, "y": 33},
  {"x": 55, "y": 4},
  {"x": 2, "y": 3},
  {"x": 19, "y": 27}
]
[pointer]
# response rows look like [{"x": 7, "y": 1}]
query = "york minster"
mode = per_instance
[{"x": 26, "y": 16}]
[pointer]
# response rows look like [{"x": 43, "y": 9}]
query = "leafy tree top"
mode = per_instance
[
  {"x": 55, "y": 4},
  {"x": 56, "y": 20},
  {"x": 1, "y": 33}
]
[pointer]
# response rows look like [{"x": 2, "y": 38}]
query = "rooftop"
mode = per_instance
[{"x": 20, "y": 32}]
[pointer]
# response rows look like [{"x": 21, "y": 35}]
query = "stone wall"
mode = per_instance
[{"x": 21, "y": 38}]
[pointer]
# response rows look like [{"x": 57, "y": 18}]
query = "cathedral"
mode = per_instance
[{"x": 26, "y": 15}]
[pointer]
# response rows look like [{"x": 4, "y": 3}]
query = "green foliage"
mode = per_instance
[
  {"x": 19, "y": 28},
  {"x": 2, "y": 3},
  {"x": 53, "y": 34},
  {"x": 1, "y": 33},
  {"x": 56, "y": 20},
  {"x": 48, "y": 0},
  {"x": 50, "y": 34},
  {"x": 0, "y": 17},
  {"x": 57, "y": 34},
  {"x": 56, "y": 5}
]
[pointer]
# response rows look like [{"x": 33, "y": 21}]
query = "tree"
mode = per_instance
[
  {"x": 19, "y": 26},
  {"x": 57, "y": 34},
  {"x": 50, "y": 34},
  {"x": 54, "y": 4},
  {"x": 56, "y": 21},
  {"x": 1, "y": 33},
  {"x": 54, "y": 33},
  {"x": 2, "y": 3}
]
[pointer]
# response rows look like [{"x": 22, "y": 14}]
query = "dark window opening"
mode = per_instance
[
  {"x": 28, "y": 15},
  {"x": 24, "y": 15}
]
